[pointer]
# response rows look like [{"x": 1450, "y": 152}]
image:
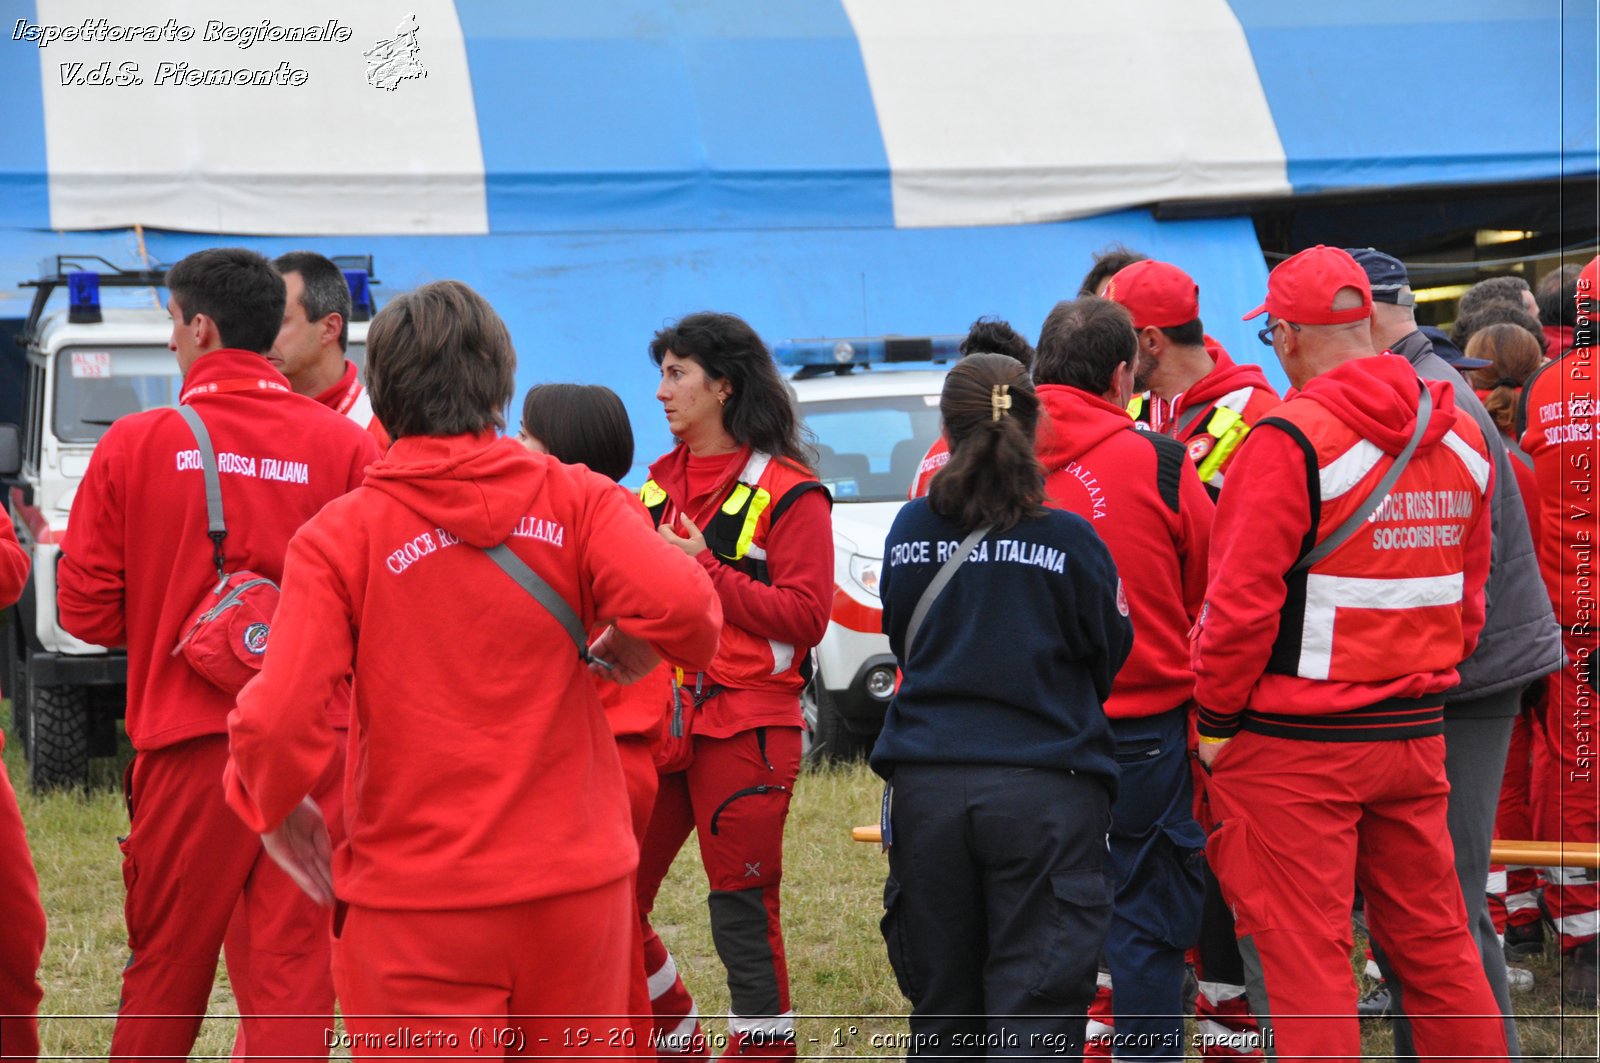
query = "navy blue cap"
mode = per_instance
[
  {"x": 1446, "y": 348},
  {"x": 1386, "y": 273}
]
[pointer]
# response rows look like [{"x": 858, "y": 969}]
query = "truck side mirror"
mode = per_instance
[{"x": 10, "y": 450}]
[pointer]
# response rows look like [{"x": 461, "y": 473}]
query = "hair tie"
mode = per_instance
[
  {"x": 1507, "y": 382},
  {"x": 999, "y": 400}
]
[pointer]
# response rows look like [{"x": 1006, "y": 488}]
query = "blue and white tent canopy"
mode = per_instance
[
  {"x": 822, "y": 167},
  {"x": 635, "y": 115}
]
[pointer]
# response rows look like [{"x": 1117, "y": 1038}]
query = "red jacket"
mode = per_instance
[
  {"x": 481, "y": 770},
  {"x": 349, "y": 397},
  {"x": 1266, "y": 522},
  {"x": 1214, "y": 441},
  {"x": 761, "y": 621},
  {"x": 14, "y": 564},
  {"x": 1557, "y": 340},
  {"x": 1142, "y": 495},
  {"x": 136, "y": 558},
  {"x": 937, "y": 457},
  {"x": 1563, "y": 439}
]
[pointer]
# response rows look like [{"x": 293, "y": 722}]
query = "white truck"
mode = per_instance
[{"x": 87, "y": 365}]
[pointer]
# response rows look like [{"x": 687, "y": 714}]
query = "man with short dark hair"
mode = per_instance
[
  {"x": 1557, "y": 312},
  {"x": 311, "y": 344},
  {"x": 135, "y": 561},
  {"x": 1212, "y": 401},
  {"x": 1143, "y": 497},
  {"x": 1519, "y": 644},
  {"x": 1346, "y": 585}
]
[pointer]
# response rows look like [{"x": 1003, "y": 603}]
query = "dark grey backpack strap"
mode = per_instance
[
  {"x": 1190, "y": 416},
  {"x": 543, "y": 593},
  {"x": 940, "y": 578},
  {"x": 1337, "y": 537},
  {"x": 216, "y": 526}
]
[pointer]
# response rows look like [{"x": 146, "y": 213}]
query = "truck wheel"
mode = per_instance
[
  {"x": 826, "y": 736},
  {"x": 58, "y": 737}
]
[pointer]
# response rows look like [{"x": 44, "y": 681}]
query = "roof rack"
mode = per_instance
[{"x": 58, "y": 272}]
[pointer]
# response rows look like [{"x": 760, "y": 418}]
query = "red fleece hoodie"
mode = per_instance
[
  {"x": 1103, "y": 469},
  {"x": 136, "y": 558},
  {"x": 481, "y": 771},
  {"x": 1263, "y": 519}
]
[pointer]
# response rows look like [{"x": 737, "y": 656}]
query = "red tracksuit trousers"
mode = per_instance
[
  {"x": 735, "y": 797},
  {"x": 1302, "y": 822},
  {"x": 21, "y": 933},
  {"x": 543, "y": 978},
  {"x": 187, "y": 862},
  {"x": 1570, "y": 797}
]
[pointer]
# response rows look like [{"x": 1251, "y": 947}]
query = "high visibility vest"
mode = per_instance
[
  {"x": 737, "y": 536},
  {"x": 1389, "y": 600},
  {"x": 1218, "y": 437}
]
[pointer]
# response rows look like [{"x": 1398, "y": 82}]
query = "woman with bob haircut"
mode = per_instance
[
  {"x": 737, "y": 494},
  {"x": 587, "y": 424},
  {"x": 998, "y": 756},
  {"x": 485, "y": 879}
]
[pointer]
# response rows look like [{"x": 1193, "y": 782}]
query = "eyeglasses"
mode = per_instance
[{"x": 1265, "y": 335}]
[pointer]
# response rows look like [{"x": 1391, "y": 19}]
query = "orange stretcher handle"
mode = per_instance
[
  {"x": 1545, "y": 854},
  {"x": 1503, "y": 851}
]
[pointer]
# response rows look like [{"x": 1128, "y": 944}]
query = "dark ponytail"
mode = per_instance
[{"x": 990, "y": 413}]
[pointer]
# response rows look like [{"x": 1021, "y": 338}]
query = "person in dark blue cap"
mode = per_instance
[{"x": 1520, "y": 643}]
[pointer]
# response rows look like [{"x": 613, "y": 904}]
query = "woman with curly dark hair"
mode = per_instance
[{"x": 737, "y": 493}]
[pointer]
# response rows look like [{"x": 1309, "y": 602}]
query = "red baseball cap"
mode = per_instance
[
  {"x": 1303, "y": 287},
  {"x": 1156, "y": 294}
]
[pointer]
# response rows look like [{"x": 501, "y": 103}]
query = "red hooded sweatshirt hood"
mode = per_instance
[
  {"x": 477, "y": 494},
  {"x": 1226, "y": 376},
  {"x": 1378, "y": 398},
  {"x": 1090, "y": 420},
  {"x": 1098, "y": 465}
]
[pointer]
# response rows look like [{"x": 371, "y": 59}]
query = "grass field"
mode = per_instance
[{"x": 842, "y": 985}]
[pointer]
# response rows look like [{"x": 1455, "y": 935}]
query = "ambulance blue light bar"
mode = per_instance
[
  {"x": 83, "y": 297},
  {"x": 867, "y": 350},
  {"x": 360, "y": 294}
]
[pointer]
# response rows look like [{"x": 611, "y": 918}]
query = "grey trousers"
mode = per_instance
[{"x": 1475, "y": 743}]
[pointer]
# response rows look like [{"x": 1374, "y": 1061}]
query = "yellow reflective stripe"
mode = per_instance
[
  {"x": 651, "y": 494},
  {"x": 1229, "y": 430},
  {"x": 747, "y": 534},
  {"x": 736, "y": 499}
]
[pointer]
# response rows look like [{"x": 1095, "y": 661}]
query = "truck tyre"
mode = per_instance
[
  {"x": 830, "y": 737},
  {"x": 58, "y": 737}
]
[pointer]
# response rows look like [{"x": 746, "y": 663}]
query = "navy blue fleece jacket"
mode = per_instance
[{"x": 1015, "y": 658}]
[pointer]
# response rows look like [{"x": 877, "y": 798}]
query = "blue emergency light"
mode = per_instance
[
  {"x": 83, "y": 294},
  {"x": 360, "y": 294},
  {"x": 867, "y": 350}
]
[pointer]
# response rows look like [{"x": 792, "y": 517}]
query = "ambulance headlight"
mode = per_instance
[{"x": 864, "y": 571}]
